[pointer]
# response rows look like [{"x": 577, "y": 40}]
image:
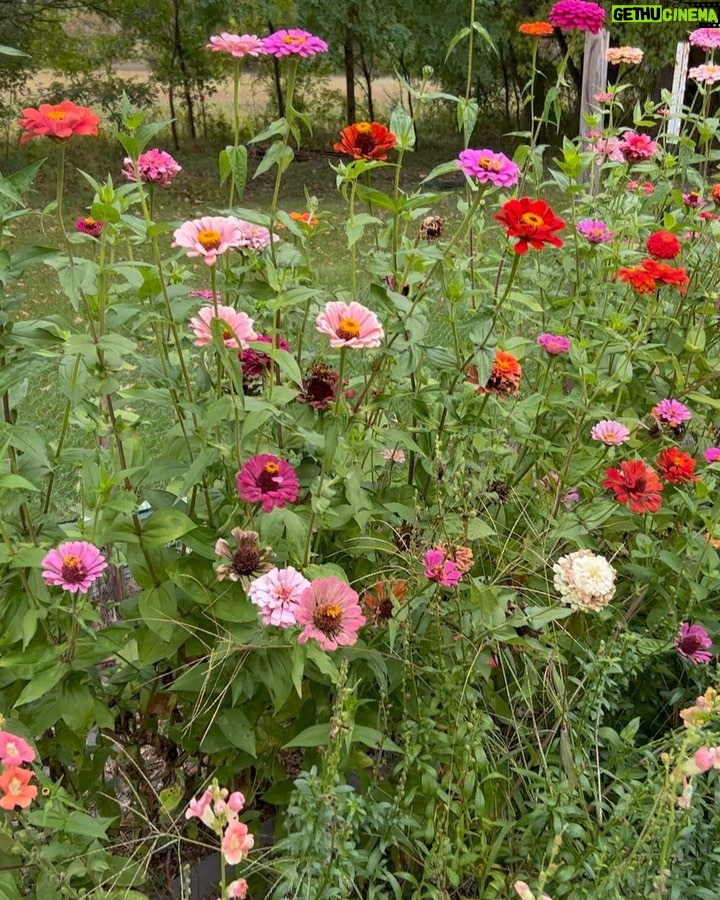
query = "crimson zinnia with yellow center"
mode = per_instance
[
  {"x": 636, "y": 485},
  {"x": 365, "y": 140},
  {"x": 531, "y": 221},
  {"x": 676, "y": 467}
]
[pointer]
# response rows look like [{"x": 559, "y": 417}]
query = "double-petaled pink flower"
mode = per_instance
[
  {"x": 554, "y": 344},
  {"x": 440, "y": 568},
  {"x": 293, "y": 41},
  {"x": 154, "y": 167},
  {"x": 350, "y": 325},
  {"x": 269, "y": 480},
  {"x": 237, "y": 45},
  {"x": 73, "y": 566},
  {"x": 705, "y": 74},
  {"x": 236, "y": 327},
  {"x": 330, "y": 611},
  {"x": 488, "y": 167},
  {"x": 595, "y": 231},
  {"x": 671, "y": 412},
  {"x": 580, "y": 15},
  {"x": 637, "y": 147},
  {"x": 278, "y": 593}
]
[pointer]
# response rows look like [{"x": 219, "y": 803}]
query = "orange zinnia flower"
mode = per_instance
[
  {"x": 714, "y": 193},
  {"x": 640, "y": 280},
  {"x": 536, "y": 29},
  {"x": 365, "y": 140},
  {"x": 14, "y": 782},
  {"x": 504, "y": 377},
  {"x": 666, "y": 274},
  {"x": 676, "y": 467},
  {"x": 379, "y": 603},
  {"x": 532, "y": 221},
  {"x": 61, "y": 121},
  {"x": 305, "y": 218},
  {"x": 636, "y": 485}
]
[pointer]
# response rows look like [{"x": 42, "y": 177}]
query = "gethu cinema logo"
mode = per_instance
[{"x": 656, "y": 13}]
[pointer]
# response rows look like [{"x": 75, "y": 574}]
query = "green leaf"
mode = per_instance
[
  {"x": 371, "y": 737},
  {"x": 164, "y": 526},
  {"x": 17, "y": 483},
  {"x": 697, "y": 397},
  {"x": 236, "y": 727},
  {"x": 77, "y": 707},
  {"x": 278, "y": 154},
  {"x": 234, "y": 161},
  {"x": 42, "y": 684},
  {"x": 12, "y": 51},
  {"x": 401, "y": 125},
  {"x": 314, "y": 736},
  {"x": 157, "y": 607}
]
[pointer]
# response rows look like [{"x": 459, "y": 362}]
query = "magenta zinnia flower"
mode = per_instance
[
  {"x": 712, "y": 455},
  {"x": 487, "y": 166},
  {"x": 594, "y": 231},
  {"x": 671, "y": 412},
  {"x": 14, "y": 751},
  {"x": 73, "y": 566},
  {"x": 89, "y": 226},
  {"x": 441, "y": 569},
  {"x": 330, "y": 611},
  {"x": 637, "y": 147},
  {"x": 569, "y": 15},
  {"x": 254, "y": 362},
  {"x": 350, "y": 325},
  {"x": 237, "y": 45},
  {"x": 692, "y": 642},
  {"x": 278, "y": 593},
  {"x": 237, "y": 327},
  {"x": 209, "y": 237},
  {"x": 610, "y": 432},
  {"x": 554, "y": 344},
  {"x": 286, "y": 42},
  {"x": 705, "y": 38},
  {"x": 268, "y": 480},
  {"x": 154, "y": 167}
]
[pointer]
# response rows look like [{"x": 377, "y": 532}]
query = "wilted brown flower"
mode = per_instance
[
  {"x": 246, "y": 562},
  {"x": 378, "y": 603},
  {"x": 432, "y": 228}
]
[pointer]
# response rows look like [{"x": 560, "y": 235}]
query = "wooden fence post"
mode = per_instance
[
  {"x": 682, "y": 54},
  {"x": 594, "y": 81}
]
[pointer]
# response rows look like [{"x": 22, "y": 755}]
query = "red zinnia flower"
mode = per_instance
[
  {"x": 532, "y": 221},
  {"x": 676, "y": 467},
  {"x": 663, "y": 245},
  {"x": 61, "y": 121},
  {"x": 667, "y": 274},
  {"x": 636, "y": 485},
  {"x": 365, "y": 140},
  {"x": 639, "y": 280}
]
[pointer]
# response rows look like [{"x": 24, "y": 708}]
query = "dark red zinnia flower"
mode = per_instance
[
  {"x": 255, "y": 362},
  {"x": 365, "y": 140},
  {"x": 636, "y": 485},
  {"x": 532, "y": 222},
  {"x": 666, "y": 274},
  {"x": 663, "y": 245},
  {"x": 676, "y": 467},
  {"x": 320, "y": 387}
]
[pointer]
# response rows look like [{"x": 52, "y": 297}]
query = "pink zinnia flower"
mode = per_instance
[
  {"x": 692, "y": 642},
  {"x": 330, "y": 611},
  {"x": 610, "y": 432},
  {"x": 237, "y": 890},
  {"x": 237, "y": 842},
  {"x": 594, "y": 231},
  {"x": 268, "y": 480},
  {"x": 569, "y": 15},
  {"x": 608, "y": 148},
  {"x": 254, "y": 237},
  {"x": 644, "y": 186},
  {"x": 554, "y": 344},
  {"x": 693, "y": 199},
  {"x": 671, "y": 412},
  {"x": 14, "y": 751},
  {"x": 487, "y": 166},
  {"x": 209, "y": 237},
  {"x": 350, "y": 325},
  {"x": 278, "y": 593},
  {"x": 154, "y": 167},
  {"x": 255, "y": 363},
  {"x": 705, "y": 38},
  {"x": 73, "y": 566},
  {"x": 603, "y": 97},
  {"x": 237, "y": 45},
  {"x": 237, "y": 327},
  {"x": 89, "y": 226},
  {"x": 712, "y": 454},
  {"x": 705, "y": 74},
  {"x": 441, "y": 569},
  {"x": 286, "y": 42},
  {"x": 637, "y": 147},
  {"x": 205, "y": 295}
]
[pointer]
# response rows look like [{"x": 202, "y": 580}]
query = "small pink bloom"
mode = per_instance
[
  {"x": 554, "y": 344},
  {"x": 350, "y": 325},
  {"x": 154, "y": 167},
  {"x": 293, "y": 41},
  {"x": 278, "y": 593},
  {"x": 712, "y": 455},
  {"x": 645, "y": 186},
  {"x": 15, "y": 782},
  {"x": 610, "y": 432},
  {"x": 268, "y": 480},
  {"x": 237, "y": 890},
  {"x": 396, "y": 456},
  {"x": 489, "y": 167},
  {"x": 237, "y": 842},
  {"x": 692, "y": 642},
  {"x": 595, "y": 231},
  {"x": 441, "y": 569},
  {"x": 603, "y": 97},
  {"x": 608, "y": 148},
  {"x": 693, "y": 199},
  {"x": 209, "y": 236},
  {"x": 14, "y": 751},
  {"x": 73, "y": 566},
  {"x": 705, "y": 74},
  {"x": 671, "y": 412},
  {"x": 705, "y": 758},
  {"x": 637, "y": 147},
  {"x": 254, "y": 237},
  {"x": 236, "y": 802},
  {"x": 237, "y": 327},
  {"x": 237, "y": 45},
  {"x": 201, "y": 809},
  {"x": 330, "y": 611},
  {"x": 89, "y": 226}
]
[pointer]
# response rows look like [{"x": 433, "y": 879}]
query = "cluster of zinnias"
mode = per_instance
[
  {"x": 60, "y": 121},
  {"x": 73, "y": 566},
  {"x": 630, "y": 55},
  {"x": 531, "y": 221},
  {"x": 488, "y": 167},
  {"x": 505, "y": 375},
  {"x": 584, "y": 580},
  {"x": 153, "y": 167},
  {"x": 644, "y": 279},
  {"x": 236, "y": 328},
  {"x": 365, "y": 140},
  {"x": 278, "y": 44},
  {"x": 14, "y": 779},
  {"x": 705, "y": 74},
  {"x": 218, "y": 808}
]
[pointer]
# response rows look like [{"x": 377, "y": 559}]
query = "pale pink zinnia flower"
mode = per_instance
[
  {"x": 705, "y": 38},
  {"x": 14, "y": 751},
  {"x": 350, "y": 325},
  {"x": 278, "y": 593},
  {"x": 209, "y": 236},
  {"x": 595, "y": 231},
  {"x": 569, "y": 15},
  {"x": 488, "y": 166},
  {"x": 439, "y": 568},
  {"x": 610, "y": 432},
  {"x": 237, "y": 327},
  {"x": 603, "y": 97},
  {"x": 637, "y": 147},
  {"x": 609, "y": 148},
  {"x": 330, "y": 611},
  {"x": 293, "y": 41},
  {"x": 712, "y": 455},
  {"x": 73, "y": 566},
  {"x": 554, "y": 344},
  {"x": 237, "y": 842},
  {"x": 631, "y": 55},
  {"x": 154, "y": 167},
  {"x": 396, "y": 456},
  {"x": 705, "y": 74},
  {"x": 268, "y": 480},
  {"x": 254, "y": 237},
  {"x": 692, "y": 642},
  {"x": 237, "y": 45},
  {"x": 671, "y": 412}
]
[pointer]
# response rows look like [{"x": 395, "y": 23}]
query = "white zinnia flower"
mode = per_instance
[{"x": 584, "y": 580}]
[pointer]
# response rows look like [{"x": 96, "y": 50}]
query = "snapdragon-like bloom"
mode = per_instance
[
  {"x": 60, "y": 121},
  {"x": 663, "y": 245},
  {"x": 294, "y": 41},
  {"x": 705, "y": 74},
  {"x": 237, "y": 890},
  {"x": 442, "y": 569},
  {"x": 712, "y": 455},
  {"x": 637, "y": 147},
  {"x": 16, "y": 787},
  {"x": 633, "y": 56},
  {"x": 584, "y": 580},
  {"x": 595, "y": 231},
  {"x": 209, "y": 236},
  {"x": 554, "y": 344},
  {"x": 14, "y": 751},
  {"x": 201, "y": 809},
  {"x": 365, "y": 140},
  {"x": 705, "y": 38},
  {"x": 330, "y": 611},
  {"x": 154, "y": 167},
  {"x": 73, "y": 566},
  {"x": 350, "y": 325},
  {"x": 237, "y": 327},
  {"x": 268, "y": 480},
  {"x": 237, "y": 842},
  {"x": 89, "y": 226},
  {"x": 488, "y": 167},
  {"x": 636, "y": 485},
  {"x": 610, "y": 432},
  {"x": 580, "y": 15},
  {"x": 692, "y": 642},
  {"x": 237, "y": 45},
  {"x": 671, "y": 413},
  {"x": 278, "y": 594}
]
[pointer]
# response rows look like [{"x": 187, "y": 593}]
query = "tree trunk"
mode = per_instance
[
  {"x": 350, "y": 106},
  {"x": 179, "y": 54},
  {"x": 276, "y": 79},
  {"x": 173, "y": 119},
  {"x": 367, "y": 73}
]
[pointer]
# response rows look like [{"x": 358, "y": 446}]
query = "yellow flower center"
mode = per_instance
[
  {"x": 271, "y": 468},
  {"x": 532, "y": 219},
  {"x": 11, "y": 748},
  {"x": 490, "y": 165},
  {"x": 327, "y": 618},
  {"x": 227, "y": 333},
  {"x": 73, "y": 569},
  {"x": 364, "y": 128},
  {"x": 72, "y": 561},
  {"x": 89, "y": 221},
  {"x": 348, "y": 329},
  {"x": 209, "y": 239},
  {"x": 290, "y": 39},
  {"x": 57, "y": 114},
  {"x": 14, "y": 787}
]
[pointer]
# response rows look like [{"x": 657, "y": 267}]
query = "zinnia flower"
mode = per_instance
[
  {"x": 305, "y": 218},
  {"x": 705, "y": 74},
  {"x": 692, "y": 642},
  {"x": 636, "y": 485},
  {"x": 610, "y": 432},
  {"x": 209, "y": 236},
  {"x": 277, "y": 594},
  {"x": 536, "y": 29},
  {"x": 89, "y": 226},
  {"x": 676, "y": 467},
  {"x": 637, "y": 147},
  {"x": 505, "y": 375},
  {"x": 531, "y": 221},
  {"x": 14, "y": 751},
  {"x": 432, "y": 228},
  {"x": 330, "y": 611},
  {"x": 396, "y": 456},
  {"x": 671, "y": 413},
  {"x": 705, "y": 38},
  {"x": 295, "y": 41},
  {"x": 645, "y": 186},
  {"x": 608, "y": 148},
  {"x": 631, "y": 55},
  {"x": 554, "y": 344},
  {"x": 666, "y": 274},
  {"x": 441, "y": 569},
  {"x": 268, "y": 480},
  {"x": 154, "y": 167},
  {"x": 254, "y": 363},
  {"x": 594, "y": 231},
  {"x": 237, "y": 842},
  {"x": 237, "y": 45},
  {"x": 320, "y": 386},
  {"x": 693, "y": 199},
  {"x": 379, "y": 602},
  {"x": 603, "y": 97},
  {"x": 246, "y": 561},
  {"x": 584, "y": 580},
  {"x": 14, "y": 781},
  {"x": 350, "y": 325},
  {"x": 663, "y": 245},
  {"x": 365, "y": 140},
  {"x": 254, "y": 237},
  {"x": 639, "y": 279},
  {"x": 60, "y": 121},
  {"x": 488, "y": 166},
  {"x": 712, "y": 455},
  {"x": 237, "y": 327},
  {"x": 569, "y": 15},
  {"x": 73, "y": 566}
]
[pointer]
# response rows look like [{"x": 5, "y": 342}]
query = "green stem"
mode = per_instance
[{"x": 236, "y": 122}]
